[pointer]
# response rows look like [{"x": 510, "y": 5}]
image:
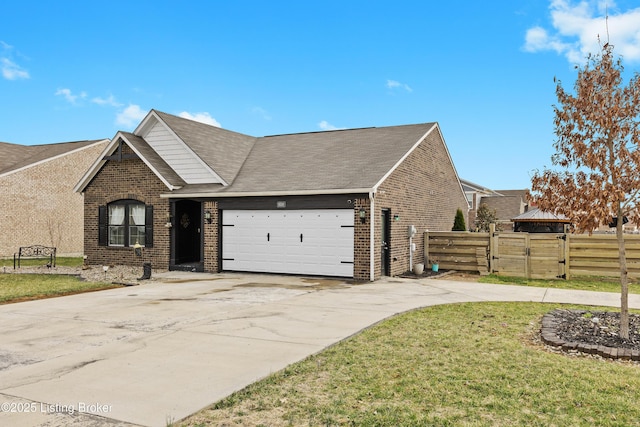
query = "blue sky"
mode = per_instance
[{"x": 74, "y": 70}]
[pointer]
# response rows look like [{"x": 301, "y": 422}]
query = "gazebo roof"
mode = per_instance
[{"x": 536, "y": 215}]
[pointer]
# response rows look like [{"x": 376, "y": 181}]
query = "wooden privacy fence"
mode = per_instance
[{"x": 531, "y": 255}]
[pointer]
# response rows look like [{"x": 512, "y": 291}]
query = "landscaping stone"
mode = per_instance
[{"x": 591, "y": 332}]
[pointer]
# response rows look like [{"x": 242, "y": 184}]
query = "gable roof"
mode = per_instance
[
  {"x": 352, "y": 160},
  {"x": 222, "y": 150},
  {"x": 473, "y": 187},
  {"x": 15, "y": 157},
  {"x": 329, "y": 162}
]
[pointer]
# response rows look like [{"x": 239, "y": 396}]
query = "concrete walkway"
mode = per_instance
[{"x": 161, "y": 351}]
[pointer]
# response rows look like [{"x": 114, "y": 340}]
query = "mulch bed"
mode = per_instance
[{"x": 591, "y": 332}]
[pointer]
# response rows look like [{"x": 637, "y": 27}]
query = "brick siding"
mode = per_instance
[
  {"x": 38, "y": 204},
  {"x": 126, "y": 179},
  {"x": 423, "y": 191},
  {"x": 361, "y": 243},
  {"x": 211, "y": 238}
]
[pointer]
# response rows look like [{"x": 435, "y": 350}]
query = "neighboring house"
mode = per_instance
[
  {"x": 334, "y": 203},
  {"x": 37, "y": 204},
  {"x": 506, "y": 203}
]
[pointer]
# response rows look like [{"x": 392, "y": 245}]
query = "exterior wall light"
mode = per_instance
[
  {"x": 396, "y": 217},
  {"x": 362, "y": 213},
  {"x": 137, "y": 249},
  {"x": 207, "y": 216}
]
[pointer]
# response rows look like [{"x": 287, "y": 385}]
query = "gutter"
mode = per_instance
[{"x": 216, "y": 195}]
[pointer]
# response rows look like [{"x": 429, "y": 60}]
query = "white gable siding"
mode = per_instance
[{"x": 178, "y": 156}]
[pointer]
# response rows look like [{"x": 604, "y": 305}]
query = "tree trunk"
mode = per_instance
[{"x": 624, "y": 278}]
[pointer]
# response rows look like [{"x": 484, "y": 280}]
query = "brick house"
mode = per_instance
[
  {"x": 334, "y": 203},
  {"x": 38, "y": 204},
  {"x": 507, "y": 204}
]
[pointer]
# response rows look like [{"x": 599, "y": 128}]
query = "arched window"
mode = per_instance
[{"x": 126, "y": 222}]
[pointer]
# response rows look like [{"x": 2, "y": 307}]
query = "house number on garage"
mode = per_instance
[{"x": 281, "y": 204}]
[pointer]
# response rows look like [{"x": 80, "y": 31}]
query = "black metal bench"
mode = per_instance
[{"x": 35, "y": 251}]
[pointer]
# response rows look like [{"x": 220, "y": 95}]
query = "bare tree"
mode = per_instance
[
  {"x": 485, "y": 217},
  {"x": 54, "y": 227},
  {"x": 598, "y": 136}
]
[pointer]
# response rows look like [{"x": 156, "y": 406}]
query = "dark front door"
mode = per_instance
[
  {"x": 188, "y": 227},
  {"x": 386, "y": 247}
]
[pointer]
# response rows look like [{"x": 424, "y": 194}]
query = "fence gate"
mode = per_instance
[
  {"x": 511, "y": 255},
  {"x": 547, "y": 256},
  {"x": 533, "y": 256}
]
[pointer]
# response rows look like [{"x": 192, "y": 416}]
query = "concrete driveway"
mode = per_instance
[{"x": 160, "y": 351}]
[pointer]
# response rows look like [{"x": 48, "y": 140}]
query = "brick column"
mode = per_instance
[{"x": 211, "y": 238}]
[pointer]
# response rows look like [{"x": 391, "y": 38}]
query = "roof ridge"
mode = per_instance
[{"x": 348, "y": 129}]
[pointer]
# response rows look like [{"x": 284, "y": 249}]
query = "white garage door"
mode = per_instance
[{"x": 318, "y": 242}]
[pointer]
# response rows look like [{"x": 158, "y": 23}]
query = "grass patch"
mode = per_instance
[
  {"x": 24, "y": 287},
  {"x": 462, "y": 364},
  {"x": 599, "y": 284},
  {"x": 36, "y": 262}
]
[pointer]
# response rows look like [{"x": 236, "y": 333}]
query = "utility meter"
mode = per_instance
[{"x": 412, "y": 230}]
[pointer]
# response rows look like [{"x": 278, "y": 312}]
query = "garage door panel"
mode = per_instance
[{"x": 326, "y": 247}]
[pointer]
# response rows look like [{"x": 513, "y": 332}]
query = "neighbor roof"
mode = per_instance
[
  {"x": 471, "y": 186},
  {"x": 15, "y": 156}
]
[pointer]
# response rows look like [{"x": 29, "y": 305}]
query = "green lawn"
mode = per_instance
[
  {"x": 24, "y": 287},
  {"x": 601, "y": 284},
  {"x": 31, "y": 262},
  {"x": 468, "y": 364}
]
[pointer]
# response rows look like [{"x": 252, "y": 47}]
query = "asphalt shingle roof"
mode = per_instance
[
  {"x": 154, "y": 159},
  {"x": 15, "y": 156},
  {"x": 332, "y": 160},
  {"x": 223, "y": 150},
  {"x": 342, "y": 159}
]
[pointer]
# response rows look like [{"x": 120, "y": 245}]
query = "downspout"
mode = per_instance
[
  {"x": 372, "y": 251},
  {"x": 412, "y": 246}
]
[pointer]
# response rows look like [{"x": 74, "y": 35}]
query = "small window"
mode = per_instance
[
  {"x": 125, "y": 223},
  {"x": 470, "y": 200}
]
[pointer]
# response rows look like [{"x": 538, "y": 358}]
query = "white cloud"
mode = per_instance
[
  {"x": 325, "y": 125},
  {"x": 130, "y": 116},
  {"x": 261, "y": 112},
  {"x": 577, "y": 26},
  {"x": 111, "y": 101},
  {"x": 12, "y": 71},
  {"x": 200, "y": 117},
  {"x": 393, "y": 84},
  {"x": 70, "y": 97}
]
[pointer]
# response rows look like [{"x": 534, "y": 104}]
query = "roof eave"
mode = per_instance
[
  {"x": 566, "y": 221},
  {"x": 100, "y": 162},
  {"x": 282, "y": 193},
  {"x": 403, "y": 158},
  {"x": 154, "y": 114}
]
